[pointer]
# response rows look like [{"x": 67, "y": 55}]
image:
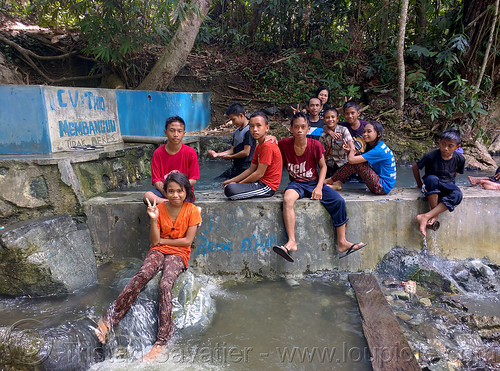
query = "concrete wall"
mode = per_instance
[
  {"x": 236, "y": 237},
  {"x": 48, "y": 119},
  {"x": 32, "y": 186},
  {"x": 145, "y": 112},
  {"x": 23, "y": 122}
]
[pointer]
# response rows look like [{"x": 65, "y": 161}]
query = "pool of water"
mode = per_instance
[
  {"x": 270, "y": 325},
  {"x": 266, "y": 325},
  {"x": 209, "y": 170}
]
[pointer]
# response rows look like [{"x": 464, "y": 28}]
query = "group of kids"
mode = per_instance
[{"x": 316, "y": 169}]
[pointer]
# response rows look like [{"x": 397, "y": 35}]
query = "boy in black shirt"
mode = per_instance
[
  {"x": 241, "y": 152},
  {"x": 441, "y": 168}
]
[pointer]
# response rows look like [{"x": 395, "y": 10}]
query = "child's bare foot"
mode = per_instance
[
  {"x": 422, "y": 223},
  {"x": 472, "y": 180},
  {"x": 336, "y": 186},
  {"x": 101, "y": 331},
  {"x": 431, "y": 221},
  {"x": 154, "y": 353}
]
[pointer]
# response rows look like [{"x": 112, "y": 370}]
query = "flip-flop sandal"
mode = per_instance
[
  {"x": 283, "y": 252},
  {"x": 351, "y": 249}
]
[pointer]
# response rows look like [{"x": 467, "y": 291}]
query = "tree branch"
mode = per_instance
[{"x": 27, "y": 54}]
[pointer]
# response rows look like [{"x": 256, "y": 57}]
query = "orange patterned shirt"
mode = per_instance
[{"x": 188, "y": 216}]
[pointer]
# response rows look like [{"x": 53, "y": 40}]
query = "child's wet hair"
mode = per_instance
[
  {"x": 172, "y": 119},
  {"x": 183, "y": 181},
  {"x": 323, "y": 88},
  {"x": 351, "y": 103},
  {"x": 309, "y": 100},
  {"x": 235, "y": 109},
  {"x": 452, "y": 134},
  {"x": 333, "y": 109},
  {"x": 297, "y": 116},
  {"x": 260, "y": 114}
]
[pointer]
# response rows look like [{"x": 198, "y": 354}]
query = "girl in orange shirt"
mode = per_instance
[{"x": 173, "y": 227}]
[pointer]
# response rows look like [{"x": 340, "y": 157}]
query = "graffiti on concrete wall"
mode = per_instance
[
  {"x": 81, "y": 117},
  {"x": 232, "y": 236}
]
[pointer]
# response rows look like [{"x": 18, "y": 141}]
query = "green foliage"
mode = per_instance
[
  {"x": 113, "y": 31},
  {"x": 457, "y": 102},
  {"x": 295, "y": 78}
]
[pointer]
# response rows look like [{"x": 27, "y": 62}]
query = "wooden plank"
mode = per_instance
[{"x": 388, "y": 346}]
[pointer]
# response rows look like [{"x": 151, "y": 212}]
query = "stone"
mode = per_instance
[
  {"x": 487, "y": 327},
  {"x": 495, "y": 144},
  {"x": 21, "y": 349},
  {"x": 404, "y": 316},
  {"x": 400, "y": 294},
  {"x": 192, "y": 306},
  {"x": 477, "y": 157},
  {"x": 426, "y": 302},
  {"x": 407, "y": 265},
  {"x": 18, "y": 189},
  {"x": 6, "y": 209},
  {"x": 46, "y": 256},
  {"x": 38, "y": 188},
  {"x": 468, "y": 340},
  {"x": 391, "y": 282},
  {"x": 481, "y": 269}
]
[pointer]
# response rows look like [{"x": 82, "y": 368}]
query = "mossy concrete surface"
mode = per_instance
[
  {"x": 236, "y": 237},
  {"x": 38, "y": 185}
]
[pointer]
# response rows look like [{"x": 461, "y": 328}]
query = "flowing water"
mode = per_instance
[
  {"x": 266, "y": 325},
  {"x": 269, "y": 325}
]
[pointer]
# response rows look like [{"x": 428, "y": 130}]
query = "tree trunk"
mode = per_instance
[
  {"x": 475, "y": 15},
  {"x": 421, "y": 20},
  {"x": 384, "y": 30},
  {"x": 255, "y": 21},
  {"x": 175, "y": 54},
  {"x": 400, "y": 56},
  {"x": 488, "y": 47}
]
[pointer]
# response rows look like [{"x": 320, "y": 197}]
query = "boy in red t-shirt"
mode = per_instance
[
  {"x": 263, "y": 177},
  {"x": 302, "y": 156},
  {"x": 172, "y": 156}
]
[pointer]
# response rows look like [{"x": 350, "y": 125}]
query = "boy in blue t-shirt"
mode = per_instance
[
  {"x": 241, "y": 152},
  {"x": 441, "y": 167}
]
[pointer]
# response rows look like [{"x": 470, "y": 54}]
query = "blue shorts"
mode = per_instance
[
  {"x": 332, "y": 201},
  {"x": 448, "y": 193}
]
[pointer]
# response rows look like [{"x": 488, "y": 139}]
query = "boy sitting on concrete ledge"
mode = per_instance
[
  {"x": 302, "y": 156},
  {"x": 263, "y": 177},
  {"x": 441, "y": 168},
  {"x": 172, "y": 156}
]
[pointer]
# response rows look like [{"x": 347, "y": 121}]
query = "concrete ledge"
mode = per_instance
[{"x": 236, "y": 237}]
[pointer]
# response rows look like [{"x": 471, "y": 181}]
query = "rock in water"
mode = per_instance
[
  {"x": 192, "y": 307},
  {"x": 46, "y": 256}
]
